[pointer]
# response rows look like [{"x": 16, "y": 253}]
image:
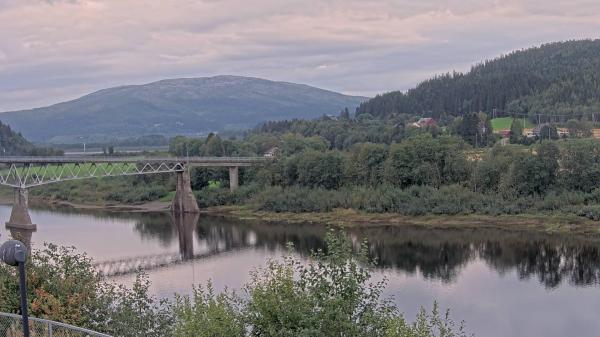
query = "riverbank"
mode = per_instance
[
  {"x": 348, "y": 218},
  {"x": 147, "y": 207},
  {"x": 547, "y": 223}
]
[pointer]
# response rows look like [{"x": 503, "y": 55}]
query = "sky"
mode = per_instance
[{"x": 56, "y": 50}]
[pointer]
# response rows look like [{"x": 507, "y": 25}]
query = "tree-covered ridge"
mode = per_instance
[
  {"x": 13, "y": 143},
  {"x": 561, "y": 78}
]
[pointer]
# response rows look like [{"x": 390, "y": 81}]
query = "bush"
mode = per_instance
[
  {"x": 224, "y": 196},
  {"x": 590, "y": 212},
  {"x": 63, "y": 286}
]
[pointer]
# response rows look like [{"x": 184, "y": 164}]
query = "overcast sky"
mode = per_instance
[{"x": 55, "y": 50}]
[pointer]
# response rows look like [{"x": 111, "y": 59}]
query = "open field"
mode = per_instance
[{"x": 504, "y": 123}]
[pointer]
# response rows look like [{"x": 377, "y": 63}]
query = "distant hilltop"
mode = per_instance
[{"x": 184, "y": 106}]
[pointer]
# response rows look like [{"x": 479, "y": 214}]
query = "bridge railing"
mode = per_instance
[
  {"x": 11, "y": 326},
  {"x": 135, "y": 159}
]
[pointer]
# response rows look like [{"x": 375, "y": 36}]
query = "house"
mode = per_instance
[
  {"x": 504, "y": 133},
  {"x": 272, "y": 152},
  {"x": 424, "y": 122}
]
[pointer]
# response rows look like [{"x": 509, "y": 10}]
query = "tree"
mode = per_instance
[
  {"x": 516, "y": 131},
  {"x": 549, "y": 131},
  {"x": 578, "y": 129},
  {"x": 320, "y": 169},
  {"x": 365, "y": 164},
  {"x": 469, "y": 129},
  {"x": 536, "y": 174},
  {"x": 345, "y": 114},
  {"x": 213, "y": 146},
  {"x": 424, "y": 160},
  {"x": 580, "y": 162}
]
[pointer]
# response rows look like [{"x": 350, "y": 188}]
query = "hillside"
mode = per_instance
[
  {"x": 560, "y": 78},
  {"x": 187, "y": 106},
  {"x": 13, "y": 143}
]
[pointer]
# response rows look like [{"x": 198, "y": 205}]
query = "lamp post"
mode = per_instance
[{"x": 14, "y": 253}]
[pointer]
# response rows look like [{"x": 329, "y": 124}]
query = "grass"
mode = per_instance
[
  {"x": 505, "y": 122},
  {"x": 214, "y": 184},
  {"x": 546, "y": 223},
  {"x": 168, "y": 197}
]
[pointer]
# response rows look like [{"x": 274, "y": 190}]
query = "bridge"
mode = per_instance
[{"x": 22, "y": 173}]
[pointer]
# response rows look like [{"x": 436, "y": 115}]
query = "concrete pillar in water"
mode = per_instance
[
  {"x": 184, "y": 200},
  {"x": 19, "y": 217},
  {"x": 233, "y": 178}
]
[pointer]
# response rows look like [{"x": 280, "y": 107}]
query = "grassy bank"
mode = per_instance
[
  {"x": 447, "y": 206},
  {"x": 546, "y": 223}
]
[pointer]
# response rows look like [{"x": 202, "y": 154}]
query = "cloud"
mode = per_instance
[{"x": 57, "y": 50}]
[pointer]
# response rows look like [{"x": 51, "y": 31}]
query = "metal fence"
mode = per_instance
[{"x": 11, "y": 326}]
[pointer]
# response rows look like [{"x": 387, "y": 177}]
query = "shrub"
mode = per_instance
[{"x": 63, "y": 286}]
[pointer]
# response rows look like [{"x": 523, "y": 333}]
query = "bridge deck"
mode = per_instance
[{"x": 188, "y": 161}]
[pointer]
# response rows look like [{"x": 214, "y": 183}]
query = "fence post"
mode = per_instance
[{"x": 49, "y": 329}]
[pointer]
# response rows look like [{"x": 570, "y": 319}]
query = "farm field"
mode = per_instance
[{"x": 504, "y": 123}]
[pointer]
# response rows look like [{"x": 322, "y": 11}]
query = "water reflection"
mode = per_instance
[
  {"x": 435, "y": 254},
  {"x": 438, "y": 254}
]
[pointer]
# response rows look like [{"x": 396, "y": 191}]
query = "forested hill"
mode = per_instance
[
  {"x": 561, "y": 78},
  {"x": 13, "y": 143}
]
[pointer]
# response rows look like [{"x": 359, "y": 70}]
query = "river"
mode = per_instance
[{"x": 502, "y": 283}]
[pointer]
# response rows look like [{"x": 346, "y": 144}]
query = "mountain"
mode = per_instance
[
  {"x": 186, "y": 106},
  {"x": 561, "y": 79}
]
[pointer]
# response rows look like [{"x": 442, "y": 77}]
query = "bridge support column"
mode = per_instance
[
  {"x": 234, "y": 180},
  {"x": 19, "y": 216},
  {"x": 184, "y": 200}
]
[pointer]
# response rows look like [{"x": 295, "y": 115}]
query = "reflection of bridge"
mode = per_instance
[
  {"x": 184, "y": 224},
  {"x": 150, "y": 262},
  {"x": 22, "y": 173}
]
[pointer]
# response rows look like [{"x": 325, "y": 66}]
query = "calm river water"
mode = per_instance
[{"x": 501, "y": 283}]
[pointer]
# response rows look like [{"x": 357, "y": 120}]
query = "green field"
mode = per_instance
[{"x": 505, "y": 122}]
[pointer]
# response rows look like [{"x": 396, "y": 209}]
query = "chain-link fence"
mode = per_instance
[{"x": 11, "y": 326}]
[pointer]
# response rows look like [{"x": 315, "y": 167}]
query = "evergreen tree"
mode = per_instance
[
  {"x": 516, "y": 131},
  {"x": 469, "y": 129}
]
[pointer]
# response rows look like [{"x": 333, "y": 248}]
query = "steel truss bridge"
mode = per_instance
[{"x": 25, "y": 172}]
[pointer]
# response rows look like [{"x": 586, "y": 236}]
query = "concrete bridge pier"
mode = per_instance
[
  {"x": 184, "y": 200},
  {"x": 234, "y": 180},
  {"x": 19, "y": 216}
]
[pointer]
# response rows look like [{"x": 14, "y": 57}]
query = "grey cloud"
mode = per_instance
[{"x": 55, "y": 52}]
